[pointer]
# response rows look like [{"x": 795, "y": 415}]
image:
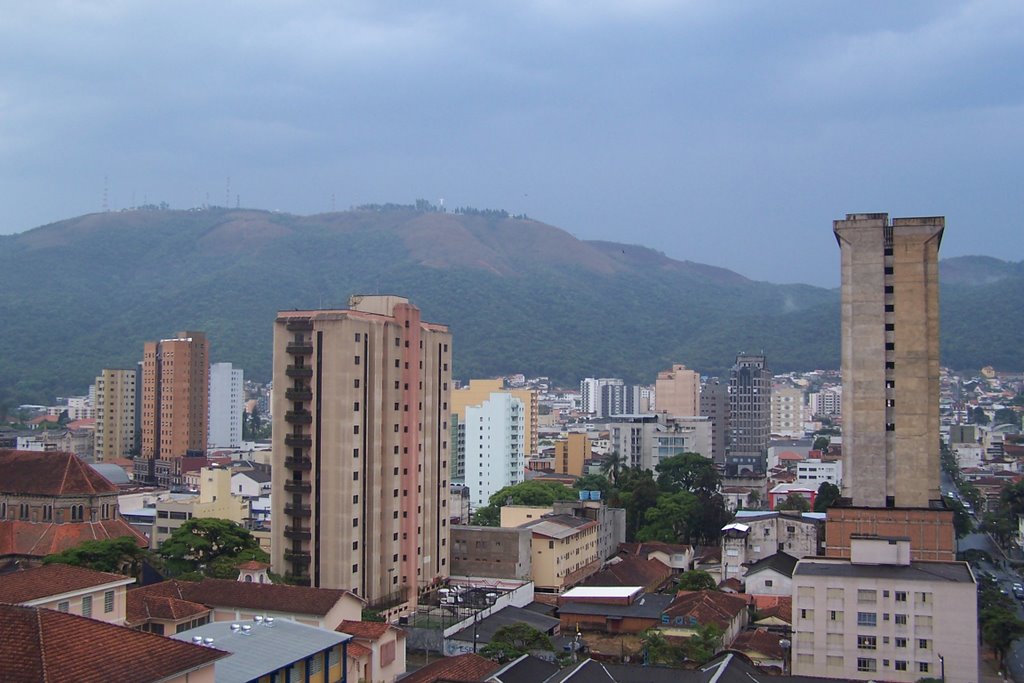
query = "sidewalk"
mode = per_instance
[{"x": 987, "y": 671}]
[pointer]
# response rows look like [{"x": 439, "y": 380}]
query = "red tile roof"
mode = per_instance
[
  {"x": 777, "y": 606},
  {"x": 39, "y": 539},
  {"x": 49, "y": 580},
  {"x": 466, "y": 668},
  {"x": 239, "y": 594},
  {"x": 253, "y": 566},
  {"x": 368, "y": 630},
  {"x": 632, "y": 571},
  {"x": 707, "y": 607},
  {"x": 49, "y": 474},
  {"x": 357, "y": 651},
  {"x": 41, "y": 645},
  {"x": 759, "y": 641}
]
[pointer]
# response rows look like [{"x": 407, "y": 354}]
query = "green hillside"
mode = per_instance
[{"x": 520, "y": 296}]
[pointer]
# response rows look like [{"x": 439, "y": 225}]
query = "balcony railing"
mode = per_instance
[
  {"x": 297, "y": 486},
  {"x": 299, "y": 372},
  {"x": 298, "y": 440},
  {"x": 299, "y": 348},
  {"x": 302, "y": 464},
  {"x": 297, "y": 556},
  {"x": 299, "y": 325},
  {"x": 297, "y": 579},
  {"x": 301, "y": 417},
  {"x": 297, "y": 533},
  {"x": 293, "y": 510},
  {"x": 298, "y": 394}
]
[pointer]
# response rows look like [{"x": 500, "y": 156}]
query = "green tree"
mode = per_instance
[
  {"x": 671, "y": 518},
  {"x": 972, "y": 495},
  {"x": 204, "y": 545},
  {"x": 1000, "y": 526},
  {"x": 117, "y": 555},
  {"x": 821, "y": 443},
  {"x": 962, "y": 523},
  {"x": 697, "y": 580},
  {"x": 703, "y": 644},
  {"x": 999, "y": 628},
  {"x": 794, "y": 501},
  {"x": 979, "y": 416},
  {"x": 534, "y": 493},
  {"x": 513, "y": 641},
  {"x": 593, "y": 482},
  {"x": 688, "y": 472},
  {"x": 1011, "y": 499},
  {"x": 828, "y": 495},
  {"x": 637, "y": 493},
  {"x": 657, "y": 649},
  {"x": 1006, "y": 416},
  {"x": 612, "y": 465}
]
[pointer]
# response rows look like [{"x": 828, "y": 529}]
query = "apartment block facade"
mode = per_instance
[
  {"x": 677, "y": 391},
  {"x": 750, "y": 396},
  {"x": 714, "y": 405},
  {"x": 890, "y": 358},
  {"x": 361, "y": 453},
  {"x": 495, "y": 441},
  {"x": 227, "y": 404},
  {"x": 175, "y": 396},
  {"x": 787, "y": 411},
  {"x": 114, "y": 436}
]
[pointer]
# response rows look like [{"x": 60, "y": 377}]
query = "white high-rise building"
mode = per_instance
[
  {"x": 828, "y": 401},
  {"x": 227, "y": 403},
  {"x": 495, "y": 446}
]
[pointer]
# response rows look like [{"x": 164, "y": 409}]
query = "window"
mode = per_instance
[
  {"x": 901, "y": 596},
  {"x": 887, "y": 270},
  {"x": 901, "y": 619},
  {"x": 87, "y": 606},
  {"x": 355, "y": 568},
  {"x": 356, "y": 360},
  {"x": 768, "y": 583},
  {"x": 867, "y": 643},
  {"x": 867, "y": 596},
  {"x": 108, "y": 602},
  {"x": 316, "y": 664},
  {"x": 889, "y": 308},
  {"x": 807, "y": 614},
  {"x": 866, "y": 664},
  {"x": 835, "y": 615},
  {"x": 355, "y": 406},
  {"x": 923, "y": 643},
  {"x": 901, "y": 642},
  {"x": 890, "y": 346},
  {"x": 922, "y": 667},
  {"x": 923, "y": 598},
  {"x": 867, "y": 619},
  {"x": 900, "y": 665},
  {"x": 889, "y": 289}
]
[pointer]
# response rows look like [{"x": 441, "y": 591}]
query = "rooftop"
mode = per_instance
[
  {"x": 49, "y": 474},
  {"x": 51, "y": 580},
  {"x": 506, "y": 616},
  {"x": 39, "y": 539},
  {"x": 266, "y": 648},
  {"x": 45, "y": 645},
  {"x": 954, "y": 572},
  {"x": 781, "y": 562},
  {"x": 592, "y": 592},
  {"x": 466, "y": 668}
]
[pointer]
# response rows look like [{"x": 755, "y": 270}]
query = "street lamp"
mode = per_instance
[
  {"x": 489, "y": 599},
  {"x": 942, "y": 668},
  {"x": 785, "y": 644}
]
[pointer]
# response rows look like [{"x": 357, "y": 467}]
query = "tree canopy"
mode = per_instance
[
  {"x": 828, "y": 495},
  {"x": 513, "y": 641},
  {"x": 214, "y": 547},
  {"x": 535, "y": 493},
  {"x": 794, "y": 501},
  {"x": 116, "y": 555}
]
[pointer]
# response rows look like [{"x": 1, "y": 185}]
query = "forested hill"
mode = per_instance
[{"x": 519, "y": 296}]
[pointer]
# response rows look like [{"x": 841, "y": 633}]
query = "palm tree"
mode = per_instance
[{"x": 613, "y": 464}]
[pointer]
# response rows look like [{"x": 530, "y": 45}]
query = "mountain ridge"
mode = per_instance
[{"x": 519, "y": 295}]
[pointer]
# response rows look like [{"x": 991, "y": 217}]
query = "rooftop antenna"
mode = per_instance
[
  {"x": 332, "y": 202},
  {"x": 105, "y": 205},
  {"x": 227, "y": 194},
  {"x": 238, "y": 201}
]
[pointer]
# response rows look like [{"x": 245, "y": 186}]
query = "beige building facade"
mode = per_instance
[
  {"x": 114, "y": 435},
  {"x": 480, "y": 390},
  {"x": 571, "y": 453},
  {"x": 361, "y": 449},
  {"x": 677, "y": 391},
  {"x": 890, "y": 358},
  {"x": 215, "y": 501},
  {"x": 880, "y": 616},
  {"x": 787, "y": 411}
]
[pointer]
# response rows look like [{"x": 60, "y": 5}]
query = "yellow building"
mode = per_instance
[
  {"x": 571, "y": 454},
  {"x": 564, "y": 551},
  {"x": 479, "y": 390},
  {"x": 64, "y": 588},
  {"x": 214, "y": 501},
  {"x": 114, "y": 435}
]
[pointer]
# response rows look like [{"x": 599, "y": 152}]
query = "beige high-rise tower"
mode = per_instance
[
  {"x": 677, "y": 391},
  {"x": 361, "y": 453},
  {"x": 890, "y": 359},
  {"x": 114, "y": 436}
]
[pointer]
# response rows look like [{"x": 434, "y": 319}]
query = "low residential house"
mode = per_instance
[
  {"x": 651, "y": 574},
  {"x": 50, "y": 502},
  {"x": 692, "y": 610},
  {"x": 772, "y": 575},
  {"x": 465, "y": 668},
  {"x": 241, "y": 601},
  {"x": 251, "y": 483},
  {"x": 763, "y": 647},
  {"x": 74, "y": 590},
  {"x": 482, "y": 632},
  {"x": 611, "y": 609},
  {"x": 753, "y": 536},
  {"x": 780, "y": 492},
  {"x": 677, "y": 556},
  {"x": 272, "y": 650},
  {"x": 773, "y": 612},
  {"x": 564, "y": 551},
  {"x": 38, "y": 644},
  {"x": 383, "y": 650}
]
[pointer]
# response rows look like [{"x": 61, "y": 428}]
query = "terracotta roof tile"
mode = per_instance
[
  {"x": 41, "y": 645},
  {"x": 369, "y": 630},
  {"x": 632, "y": 571},
  {"x": 49, "y": 474},
  {"x": 707, "y": 607},
  {"x": 357, "y": 651},
  {"x": 39, "y": 539},
  {"x": 466, "y": 668},
  {"x": 253, "y": 566},
  {"x": 51, "y": 579},
  {"x": 760, "y": 641},
  {"x": 227, "y": 593}
]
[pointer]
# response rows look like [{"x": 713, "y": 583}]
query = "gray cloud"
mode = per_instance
[{"x": 728, "y": 133}]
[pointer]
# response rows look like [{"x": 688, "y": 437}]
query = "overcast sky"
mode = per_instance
[{"x": 729, "y": 133}]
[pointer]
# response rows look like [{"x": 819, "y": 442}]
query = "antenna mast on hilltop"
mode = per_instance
[
  {"x": 227, "y": 194},
  {"x": 105, "y": 206}
]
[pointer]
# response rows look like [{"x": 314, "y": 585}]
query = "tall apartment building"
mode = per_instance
[
  {"x": 608, "y": 396},
  {"x": 787, "y": 410},
  {"x": 227, "y": 403},
  {"x": 828, "y": 401},
  {"x": 571, "y": 453},
  {"x": 175, "y": 393},
  {"x": 714, "y": 404},
  {"x": 114, "y": 436},
  {"x": 677, "y": 391},
  {"x": 495, "y": 446},
  {"x": 475, "y": 393},
  {"x": 750, "y": 395},
  {"x": 890, "y": 358},
  {"x": 360, "y": 449}
]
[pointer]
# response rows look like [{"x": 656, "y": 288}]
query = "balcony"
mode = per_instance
[
  {"x": 298, "y": 440},
  {"x": 302, "y": 464},
  {"x": 303, "y": 348},
  {"x": 297, "y": 533},
  {"x": 293, "y": 510},
  {"x": 298, "y": 417},
  {"x": 299, "y": 372},
  {"x": 298, "y": 394},
  {"x": 297, "y": 486},
  {"x": 299, "y": 325},
  {"x": 297, "y": 556},
  {"x": 297, "y": 579}
]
